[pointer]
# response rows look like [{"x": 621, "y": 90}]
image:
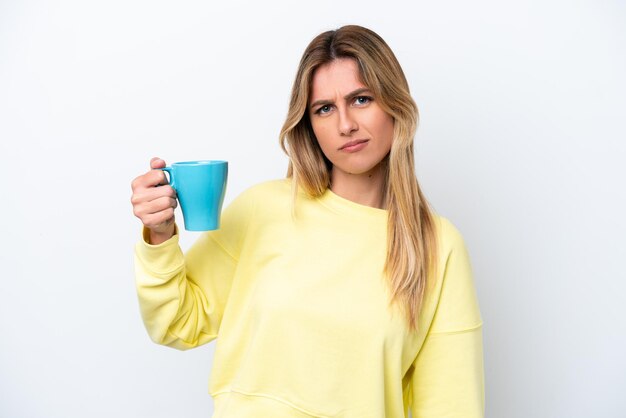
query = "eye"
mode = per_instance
[
  {"x": 323, "y": 109},
  {"x": 362, "y": 100}
]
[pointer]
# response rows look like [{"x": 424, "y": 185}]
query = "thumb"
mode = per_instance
[{"x": 156, "y": 162}]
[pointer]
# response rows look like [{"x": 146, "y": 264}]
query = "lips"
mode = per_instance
[{"x": 351, "y": 144}]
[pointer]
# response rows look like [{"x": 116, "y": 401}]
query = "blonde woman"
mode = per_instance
[{"x": 336, "y": 292}]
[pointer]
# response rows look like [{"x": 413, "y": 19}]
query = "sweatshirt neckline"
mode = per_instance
[{"x": 337, "y": 203}]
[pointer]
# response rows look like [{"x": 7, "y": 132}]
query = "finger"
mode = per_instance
[
  {"x": 150, "y": 179},
  {"x": 156, "y": 162},
  {"x": 145, "y": 195},
  {"x": 154, "y": 220},
  {"x": 147, "y": 211},
  {"x": 159, "y": 205}
]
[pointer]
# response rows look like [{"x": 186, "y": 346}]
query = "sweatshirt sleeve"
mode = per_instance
[
  {"x": 182, "y": 296},
  {"x": 448, "y": 376}
]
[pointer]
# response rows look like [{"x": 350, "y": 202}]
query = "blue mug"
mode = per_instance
[{"x": 200, "y": 187}]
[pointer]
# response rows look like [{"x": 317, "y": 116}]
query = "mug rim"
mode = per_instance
[{"x": 200, "y": 162}]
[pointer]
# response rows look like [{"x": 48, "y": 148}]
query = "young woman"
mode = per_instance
[{"x": 335, "y": 292}]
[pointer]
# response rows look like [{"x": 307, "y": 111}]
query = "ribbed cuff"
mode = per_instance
[{"x": 160, "y": 258}]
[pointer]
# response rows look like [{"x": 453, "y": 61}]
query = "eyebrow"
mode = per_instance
[{"x": 346, "y": 97}]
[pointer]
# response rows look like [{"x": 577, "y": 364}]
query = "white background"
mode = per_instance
[{"x": 521, "y": 145}]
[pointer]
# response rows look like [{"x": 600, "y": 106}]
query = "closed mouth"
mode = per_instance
[{"x": 351, "y": 143}]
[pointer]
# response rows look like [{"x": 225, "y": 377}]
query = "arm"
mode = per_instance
[
  {"x": 448, "y": 377},
  {"x": 182, "y": 297}
]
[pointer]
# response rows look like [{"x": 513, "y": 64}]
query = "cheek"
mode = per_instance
[
  {"x": 321, "y": 134},
  {"x": 386, "y": 124}
]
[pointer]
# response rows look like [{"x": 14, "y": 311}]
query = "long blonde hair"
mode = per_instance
[{"x": 411, "y": 237}]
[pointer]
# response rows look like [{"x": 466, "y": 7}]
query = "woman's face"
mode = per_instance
[{"x": 353, "y": 131}]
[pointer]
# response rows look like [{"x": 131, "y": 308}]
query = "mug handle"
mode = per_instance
[{"x": 171, "y": 173}]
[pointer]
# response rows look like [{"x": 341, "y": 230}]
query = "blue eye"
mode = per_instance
[
  {"x": 357, "y": 100},
  {"x": 323, "y": 110},
  {"x": 362, "y": 99}
]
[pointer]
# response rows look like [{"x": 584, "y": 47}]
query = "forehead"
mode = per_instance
[{"x": 338, "y": 77}]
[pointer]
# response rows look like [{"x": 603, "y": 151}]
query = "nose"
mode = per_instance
[{"x": 347, "y": 123}]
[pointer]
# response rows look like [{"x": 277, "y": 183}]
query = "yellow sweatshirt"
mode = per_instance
[{"x": 299, "y": 308}]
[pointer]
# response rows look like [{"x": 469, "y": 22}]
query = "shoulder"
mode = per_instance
[
  {"x": 263, "y": 199},
  {"x": 275, "y": 186},
  {"x": 457, "y": 304},
  {"x": 266, "y": 188},
  {"x": 448, "y": 235},
  {"x": 263, "y": 191},
  {"x": 249, "y": 207}
]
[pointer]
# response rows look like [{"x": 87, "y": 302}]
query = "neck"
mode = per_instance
[{"x": 365, "y": 189}]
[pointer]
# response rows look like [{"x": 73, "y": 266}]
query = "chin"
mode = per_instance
[{"x": 358, "y": 170}]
